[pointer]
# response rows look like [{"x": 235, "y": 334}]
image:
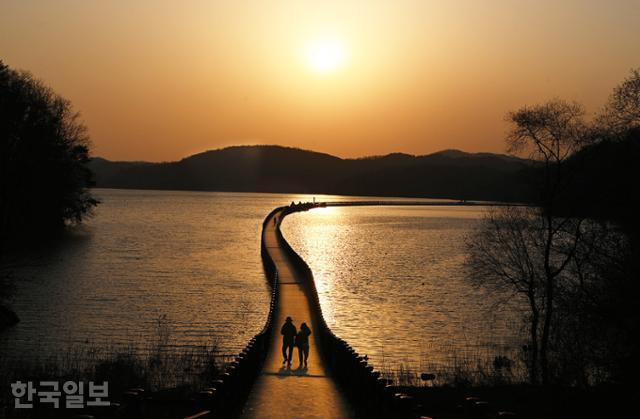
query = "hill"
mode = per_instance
[{"x": 447, "y": 174}]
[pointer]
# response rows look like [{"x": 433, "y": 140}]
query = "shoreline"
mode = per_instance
[{"x": 387, "y": 200}]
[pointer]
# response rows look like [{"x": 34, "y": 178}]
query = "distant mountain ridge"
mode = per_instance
[{"x": 451, "y": 174}]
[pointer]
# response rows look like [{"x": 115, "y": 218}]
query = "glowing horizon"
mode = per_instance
[{"x": 157, "y": 81}]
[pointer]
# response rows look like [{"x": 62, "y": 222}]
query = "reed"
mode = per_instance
[
  {"x": 474, "y": 366},
  {"x": 156, "y": 366}
]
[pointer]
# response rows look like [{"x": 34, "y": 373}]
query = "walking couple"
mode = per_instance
[{"x": 291, "y": 337}]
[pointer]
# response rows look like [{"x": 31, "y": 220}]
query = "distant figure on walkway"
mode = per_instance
[
  {"x": 288, "y": 333},
  {"x": 302, "y": 342}
]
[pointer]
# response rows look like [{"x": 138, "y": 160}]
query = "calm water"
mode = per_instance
[
  {"x": 392, "y": 283},
  {"x": 390, "y": 278},
  {"x": 193, "y": 257}
]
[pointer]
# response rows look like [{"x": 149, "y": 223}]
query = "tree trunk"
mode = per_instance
[
  {"x": 535, "y": 320},
  {"x": 548, "y": 296},
  {"x": 546, "y": 326}
]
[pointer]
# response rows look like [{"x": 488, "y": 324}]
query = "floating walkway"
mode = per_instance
[
  {"x": 281, "y": 392},
  {"x": 339, "y": 382}
]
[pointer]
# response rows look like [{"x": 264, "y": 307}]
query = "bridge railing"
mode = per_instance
[{"x": 227, "y": 395}]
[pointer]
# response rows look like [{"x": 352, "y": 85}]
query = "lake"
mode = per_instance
[
  {"x": 392, "y": 282},
  {"x": 391, "y": 279}
]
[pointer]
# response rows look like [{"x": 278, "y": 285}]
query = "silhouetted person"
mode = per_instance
[
  {"x": 288, "y": 333},
  {"x": 302, "y": 342}
]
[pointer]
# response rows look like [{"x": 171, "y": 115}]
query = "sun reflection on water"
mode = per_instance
[{"x": 391, "y": 281}]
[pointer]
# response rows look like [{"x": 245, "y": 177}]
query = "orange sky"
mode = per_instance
[{"x": 159, "y": 80}]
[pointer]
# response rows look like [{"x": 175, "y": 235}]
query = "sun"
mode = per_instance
[{"x": 325, "y": 55}]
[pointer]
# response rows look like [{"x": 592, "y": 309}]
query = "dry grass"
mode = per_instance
[
  {"x": 158, "y": 366},
  {"x": 469, "y": 368}
]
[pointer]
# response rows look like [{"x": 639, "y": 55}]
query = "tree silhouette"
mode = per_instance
[
  {"x": 574, "y": 255},
  {"x": 43, "y": 156},
  {"x": 530, "y": 250},
  {"x": 622, "y": 112}
]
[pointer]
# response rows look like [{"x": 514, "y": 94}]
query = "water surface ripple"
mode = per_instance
[{"x": 392, "y": 282}]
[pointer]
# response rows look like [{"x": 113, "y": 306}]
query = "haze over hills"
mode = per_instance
[{"x": 446, "y": 174}]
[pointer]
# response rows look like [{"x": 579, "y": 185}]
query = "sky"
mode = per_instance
[{"x": 159, "y": 80}]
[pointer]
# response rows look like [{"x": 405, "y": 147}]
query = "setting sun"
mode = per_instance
[
  {"x": 214, "y": 209},
  {"x": 325, "y": 55}
]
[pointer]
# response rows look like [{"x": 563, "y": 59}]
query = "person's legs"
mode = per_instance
[
  {"x": 290, "y": 353},
  {"x": 306, "y": 354},
  {"x": 300, "y": 353},
  {"x": 284, "y": 351}
]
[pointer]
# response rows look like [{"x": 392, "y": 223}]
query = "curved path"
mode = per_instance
[{"x": 281, "y": 392}]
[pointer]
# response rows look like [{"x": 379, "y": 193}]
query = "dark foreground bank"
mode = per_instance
[{"x": 523, "y": 401}]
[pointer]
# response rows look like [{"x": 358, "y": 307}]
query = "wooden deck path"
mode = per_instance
[{"x": 281, "y": 392}]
